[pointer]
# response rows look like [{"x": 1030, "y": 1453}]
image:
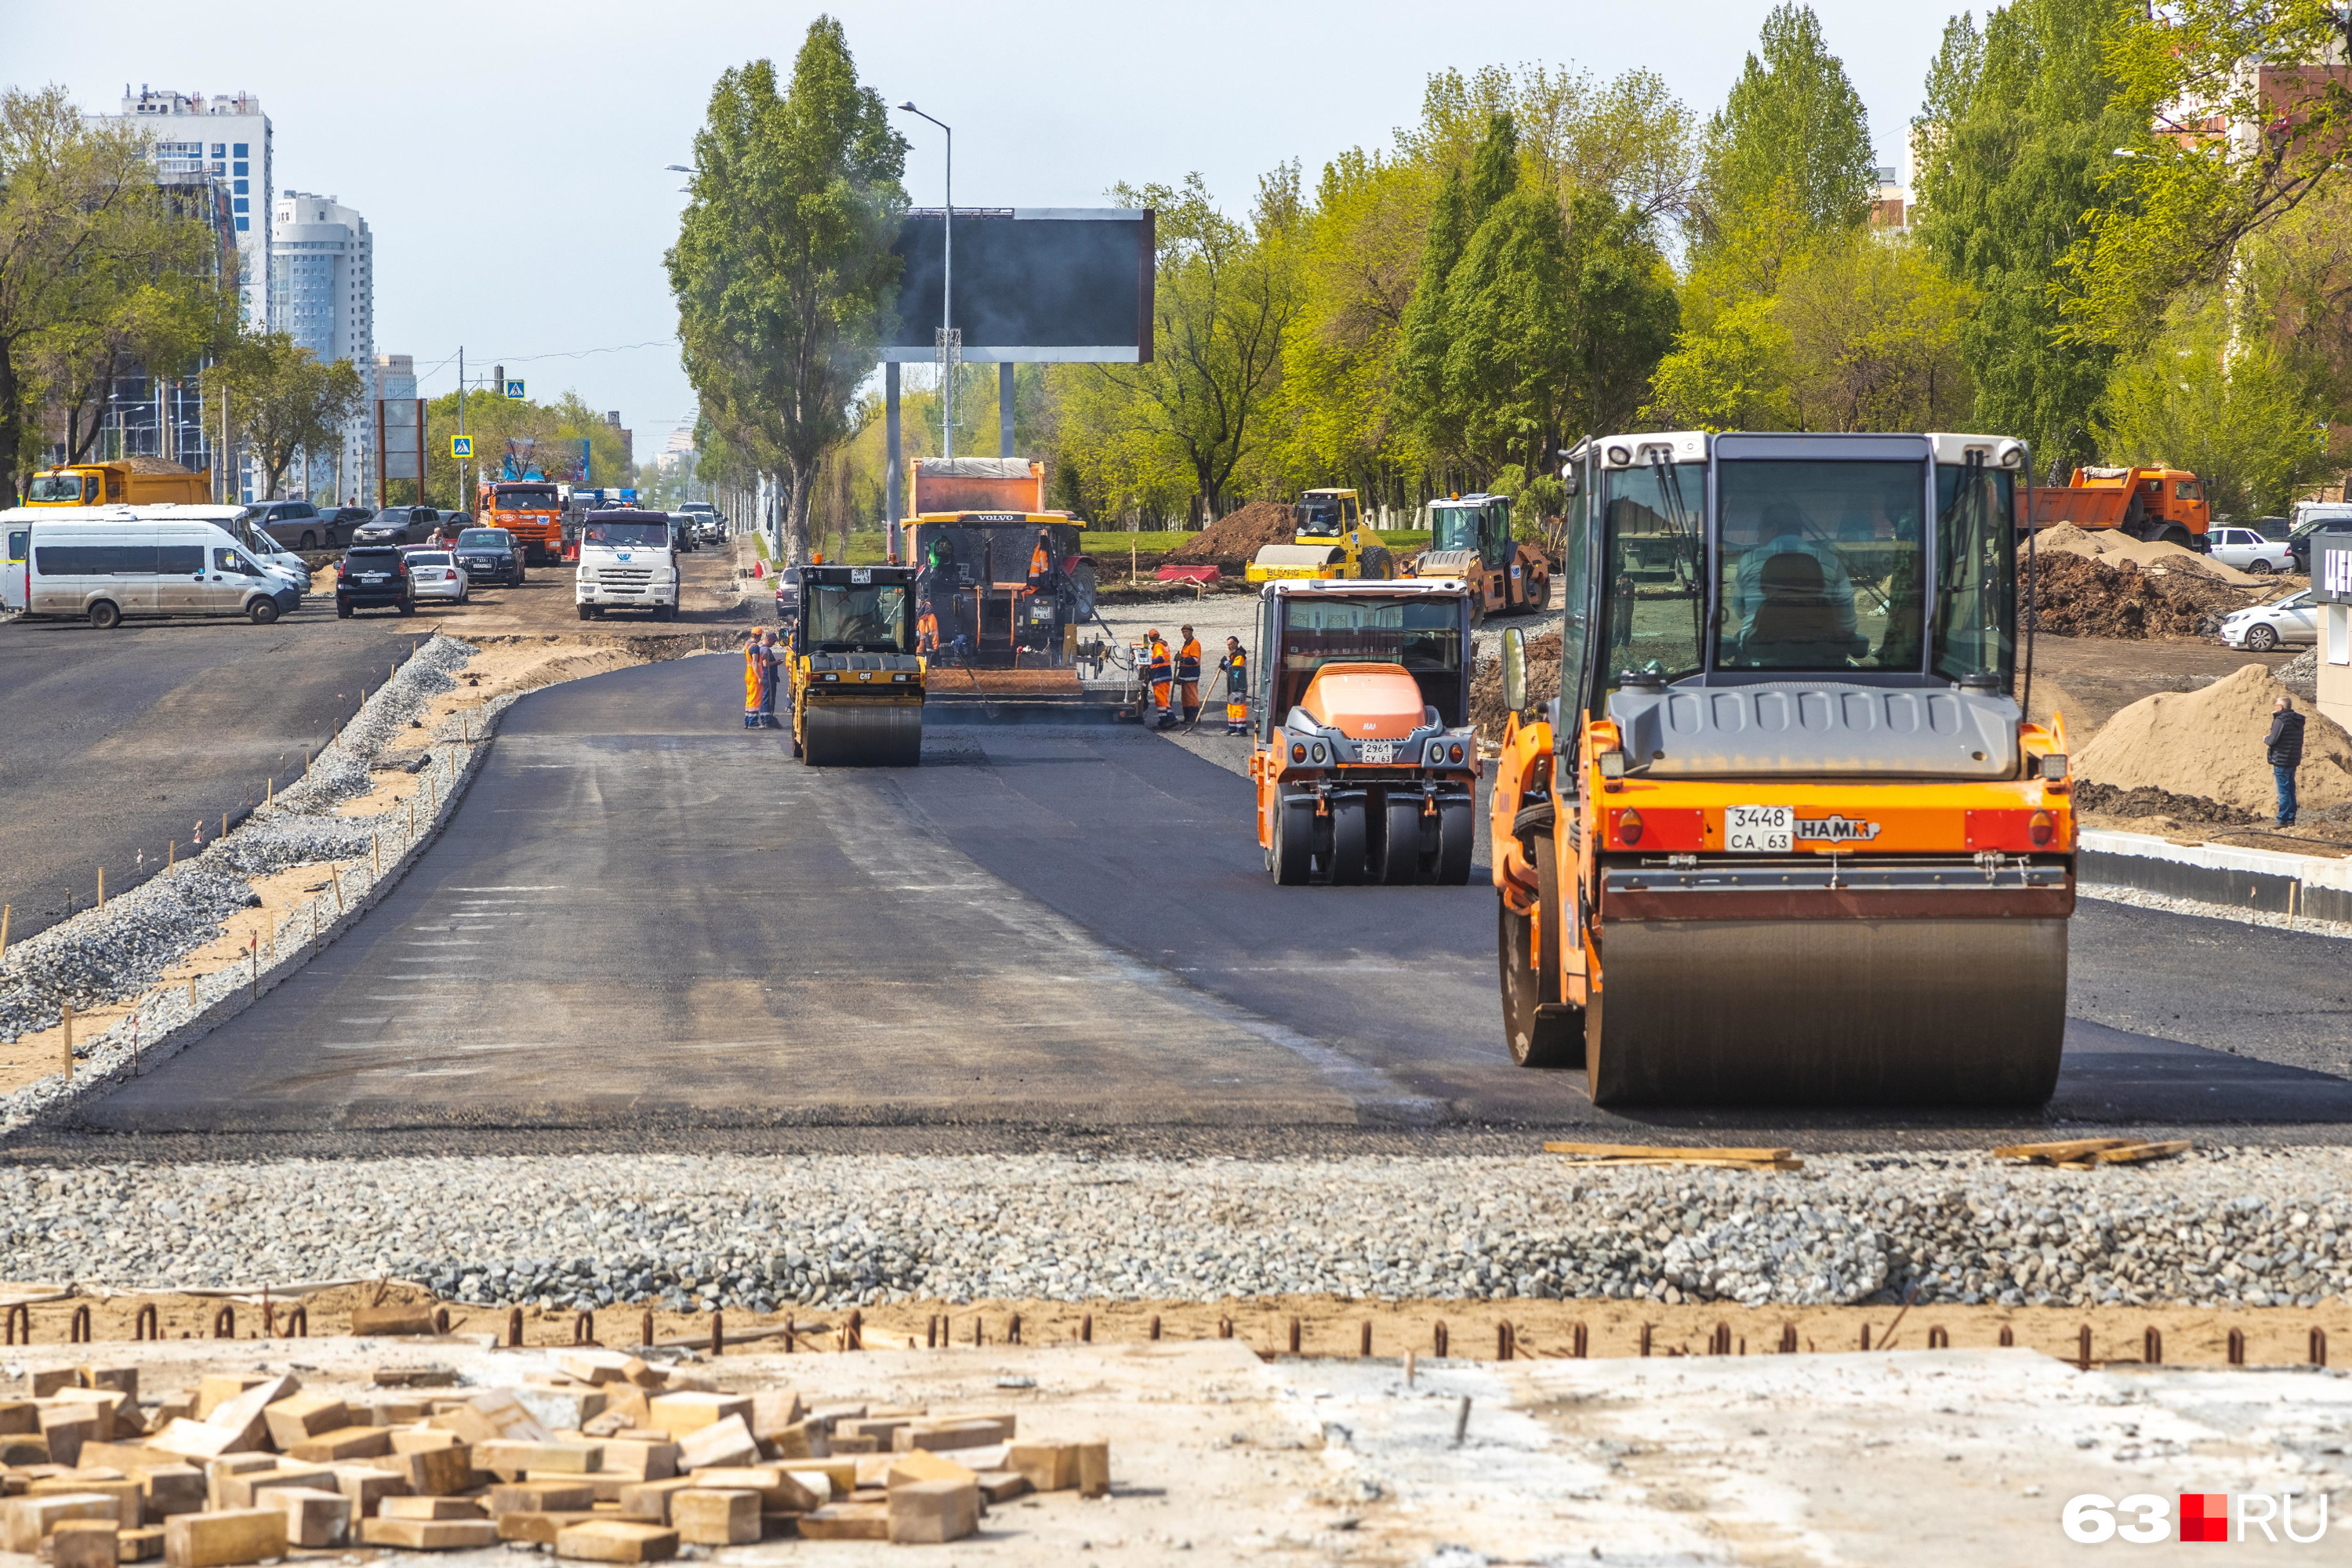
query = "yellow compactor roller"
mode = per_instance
[
  {"x": 1329, "y": 538},
  {"x": 1786, "y": 836},
  {"x": 857, "y": 682}
]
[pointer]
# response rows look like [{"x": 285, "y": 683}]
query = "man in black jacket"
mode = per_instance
[{"x": 2285, "y": 745}]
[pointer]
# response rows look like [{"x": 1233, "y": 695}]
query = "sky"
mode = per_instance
[{"x": 509, "y": 154}]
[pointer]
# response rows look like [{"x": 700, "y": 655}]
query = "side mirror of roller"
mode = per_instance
[{"x": 1515, "y": 670}]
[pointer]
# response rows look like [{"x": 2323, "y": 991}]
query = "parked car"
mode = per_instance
[
  {"x": 104, "y": 569},
  {"x": 2247, "y": 549},
  {"x": 373, "y": 577},
  {"x": 490, "y": 555},
  {"x": 2265, "y": 627},
  {"x": 2336, "y": 520},
  {"x": 436, "y": 575},
  {"x": 281, "y": 561},
  {"x": 299, "y": 525},
  {"x": 397, "y": 525}
]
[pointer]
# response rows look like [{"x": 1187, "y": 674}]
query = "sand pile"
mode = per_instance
[
  {"x": 2085, "y": 597},
  {"x": 2115, "y": 547},
  {"x": 1487, "y": 709},
  {"x": 2209, "y": 743},
  {"x": 1233, "y": 539}
]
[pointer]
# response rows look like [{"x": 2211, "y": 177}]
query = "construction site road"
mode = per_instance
[{"x": 644, "y": 920}]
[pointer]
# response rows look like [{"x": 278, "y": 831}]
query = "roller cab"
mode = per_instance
[
  {"x": 1470, "y": 538},
  {"x": 1330, "y": 539},
  {"x": 1786, "y": 837},
  {"x": 1364, "y": 761},
  {"x": 856, "y": 681}
]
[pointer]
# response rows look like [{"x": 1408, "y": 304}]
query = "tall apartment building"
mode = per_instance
[
  {"x": 322, "y": 295},
  {"x": 225, "y": 137},
  {"x": 395, "y": 377}
]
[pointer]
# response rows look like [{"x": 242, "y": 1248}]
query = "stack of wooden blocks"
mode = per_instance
[{"x": 598, "y": 1456}]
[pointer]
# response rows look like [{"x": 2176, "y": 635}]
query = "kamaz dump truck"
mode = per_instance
[
  {"x": 1786, "y": 835},
  {"x": 131, "y": 481},
  {"x": 1364, "y": 759},
  {"x": 856, "y": 680}
]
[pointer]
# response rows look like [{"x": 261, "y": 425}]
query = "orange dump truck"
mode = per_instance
[
  {"x": 2157, "y": 504},
  {"x": 530, "y": 510},
  {"x": 1363, "y": 754}
]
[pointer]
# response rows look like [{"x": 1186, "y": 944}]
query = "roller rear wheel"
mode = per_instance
[
  {"x": 1456, "y": 827},
  {"x": 1346, "y": 866},
  {"x": 1396, "y": 853},
  {"x": 1291, "y": 859},
  {"x": 1536, "y": 1038}
]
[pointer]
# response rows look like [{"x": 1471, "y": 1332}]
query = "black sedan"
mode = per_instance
[{"x": 491, "y": 555}]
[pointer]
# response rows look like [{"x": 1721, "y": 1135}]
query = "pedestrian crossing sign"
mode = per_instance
[
  {"x": 514, "y": 390},
  {"x": 461, "y": 446}
]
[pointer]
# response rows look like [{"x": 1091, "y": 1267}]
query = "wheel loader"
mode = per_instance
[
  {"x": 1329, "y": 538},
  {"x": 1365, "y": 764},
  {"x": 1470, "y": 538},
  {"x": 857, "y": 680},
  {"x": 1786, "y": 836}
]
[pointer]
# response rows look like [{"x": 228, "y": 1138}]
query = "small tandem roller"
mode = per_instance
[
  {"x": 858, "y": 683},
  {"x": 1786, "y": 836}
]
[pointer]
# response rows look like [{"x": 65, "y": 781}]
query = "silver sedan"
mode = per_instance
[{"x": 438, "y": 575}]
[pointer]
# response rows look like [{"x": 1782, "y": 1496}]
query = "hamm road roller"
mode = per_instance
[
  {"x": 857, "y": 682},
  {"x": 1364, "y": 759},
  {"x": 1786, "y": 836}
]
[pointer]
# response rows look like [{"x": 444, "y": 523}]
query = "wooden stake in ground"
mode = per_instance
[
  {"x": 5, "y": 909},
  {"x": 69, "y": 1042},
  {"x": 1670, "y": 1154},
  {"x": 101, "y": 887}
]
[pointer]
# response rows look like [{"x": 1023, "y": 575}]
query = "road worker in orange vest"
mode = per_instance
[
  {"x": 1157, "y": 669},
  {"x": 1188, "y": 673},
  {"x": 1234, "y": 665}
]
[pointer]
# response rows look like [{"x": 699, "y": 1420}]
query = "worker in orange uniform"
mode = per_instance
[
  {"x": 1040, "y": 560},
  {"x": 1157, "y": 669},
  {"x": 1235, "y": 668},
  {"x": 1188, "y": 673},
  {"x": 759, "y": 681},
  {"x": 927, "y": 632}
]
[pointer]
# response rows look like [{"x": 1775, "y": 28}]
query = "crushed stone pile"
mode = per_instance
[
  {"x": 2084, "y": 596},
  {"x": 2116, "y": 547},
  {"x": 1233, "y": 539},
  {"x": 2300, "y": 675},
  {"x": 2208, "y": 744},
  {"x": 1487, "y": 709}
]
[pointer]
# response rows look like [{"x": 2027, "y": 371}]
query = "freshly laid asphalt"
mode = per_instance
[{"x": 644, "y": 920}]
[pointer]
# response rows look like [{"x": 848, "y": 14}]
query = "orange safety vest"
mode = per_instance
[
  {"x": 1187, "y": 661},
  {"x": 927, "y": 632},
  {"x": 1040, "y": 563},
  {"x": 1155, "y": 668}
]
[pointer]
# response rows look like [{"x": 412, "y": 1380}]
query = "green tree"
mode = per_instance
[
  {"x": 783, "y": 273},
  {"x": 282, "y": 400},
  {"x": 1793, "y": 118},
  {"x": 1873, "y": 340},
  {"x": 1731, "y": 374},
  {"x": 2012, "y": 152}
]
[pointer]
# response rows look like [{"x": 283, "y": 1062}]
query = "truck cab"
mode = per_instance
[
  {"x": 627, "y": 562},
  {"x": 530, "y": 510}
]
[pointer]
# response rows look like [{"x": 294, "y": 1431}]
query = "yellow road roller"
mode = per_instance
[
  {"x": 1329, "y": 538},
  {"x": 1786, "y": 835},
  {"x": 857, "y": 681}
]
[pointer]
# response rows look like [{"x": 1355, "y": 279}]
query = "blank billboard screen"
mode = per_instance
[{"x": 1053, "y": 284}]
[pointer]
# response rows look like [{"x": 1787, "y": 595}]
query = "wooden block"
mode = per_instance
[
  {"x": 16, "y": 1451},
  {"x": 127, "y": 1457},
  {"x": 840, "y": 1472},
  {"x": 940, "y": 1435},
  {"x": 303, "y": 1416},
  {"x": 213, "y": 1392},
  {"x": 617, "y": 1540},
  {"x": 430, "y": 1534},
  {"x": 393, "y": 1412},
  {"x": 167, "y": 1489},
  {"x": 171, "y": 1408},
  {"x": 368, "y": 1487},
  {"x": 540, "y": 1529},
  {"x": 1048, "y": 1467},
  {"x": 42, "y": 1383},
  {"x": 829, "y": 1416},
  {"x": 251, "y": 1488},
  {"x": 603, "y": 1487},
  {"x": 439, "y": 1472},
  {"x": 121, "y": 1488},
  {"x": 424, "y": 1440},
  {"x": 216, "y": 1540},
  {"x": 85, "y": 1543},
  {"x": 1003, "y": 1486},
  {"x": 1094, "y": 1470},
  {"x": 494, "y": 1414},
  {"x": 590, "y": 1365},
  {"x": 23, "y": 1521},
  {"x": 797, "y": 1441},
  {"x": 849, "y": 1521},
  {"x": 227, "y": 1464},
  {"x": 314, "y": 1516},
  {"x": 716, "y": 1518},
  {"x": 69, "y": 1426},
  {"x": 541, "y": 1496},
  {"x": 427, "y": 1376},
  {"x": 641, "y": 1459},
  {"x": 19, "y": 1417},
  {"x": 376, "y": 1322},
  {"x": 923, "y": 1465},
  {"x": 725, "y": 1442},
  {"x": 241, "y": 1417},
  {"x": 924, "y": 1512},
  {"x": 509, "y": 1460},
  {"x": 428, "y": 1508},
  {"x": 342, "y": 1444},
  {"x": 650, "y": 1499},
  {"x": 773, "y": 1411},
  {"x": 881, "y": 1428},
  {"x": 678, "y": 1413},
  {"x": 123, "y": 1378},
  {"x": 143, "y": 1544}
]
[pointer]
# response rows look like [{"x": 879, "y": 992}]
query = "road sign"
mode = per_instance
[
  {"x": 514, "y": 390},
  {"x": 461, "y": 446}
]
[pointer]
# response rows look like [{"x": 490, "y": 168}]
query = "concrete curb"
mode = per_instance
[{"x": 2315, "y": 887}]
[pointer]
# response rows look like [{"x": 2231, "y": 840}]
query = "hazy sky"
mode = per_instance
[{"x": 509, "y": 153}]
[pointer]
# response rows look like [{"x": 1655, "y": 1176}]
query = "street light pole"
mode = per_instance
[{"x": 948, "y": 358}]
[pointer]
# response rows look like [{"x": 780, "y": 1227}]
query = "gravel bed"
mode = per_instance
[
  {"x": 2139, "y": 898},
  {"x": 2231, "y": 1226}
]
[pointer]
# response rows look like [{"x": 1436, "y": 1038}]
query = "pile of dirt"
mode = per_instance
[
  {"x": 2208, "y": 744},
  {"x": 1230, "y": 542},
  {"x": 2085, "y": 597},
  {"x": 1487, "y": 709},
  {"x": 2115, "y": 547},
  {"x": 2145, "y": 801}
]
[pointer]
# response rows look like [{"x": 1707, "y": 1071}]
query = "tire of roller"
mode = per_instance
[
  {"x": 1396, "y": 853},
  {"x": 862, "y": 735},
  {"x": 1292, "y": 858},
  {"x": 1535, "y": 1039},
  {"x": 1347, "y": 862},
  {"x": 1455, "y": 827}
]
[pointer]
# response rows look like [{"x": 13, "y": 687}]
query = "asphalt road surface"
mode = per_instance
[
  {"x": 644, "y": 918},
  {"x": 115, "y": 745}
]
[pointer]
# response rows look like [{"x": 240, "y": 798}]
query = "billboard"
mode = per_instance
[{"x": 1054, "y": 284}]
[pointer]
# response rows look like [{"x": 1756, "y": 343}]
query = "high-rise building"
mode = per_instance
[
  {"x": 395, "y": 377},
  {"x": 323, "y": 294},
  {"x": 226, "y": 138}
]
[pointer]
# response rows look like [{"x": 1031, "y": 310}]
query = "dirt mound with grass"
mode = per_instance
[
  {"x": 2207, "y": 745},
  {"x": 2091, "y": 596},
  {"x": 1487, "y": 709},
  {"x": 1230, "y": 542}
]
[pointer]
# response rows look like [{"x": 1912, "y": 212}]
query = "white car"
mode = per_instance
[
  {"x": 2248, "y": 551},
  {"x": 436, "y": 574},
  {"x": 2266, "y": 627},
  {"x": 281, "y": 561}
]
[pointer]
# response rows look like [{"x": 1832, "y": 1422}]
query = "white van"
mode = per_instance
[{"x": 102, "y": 563}]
